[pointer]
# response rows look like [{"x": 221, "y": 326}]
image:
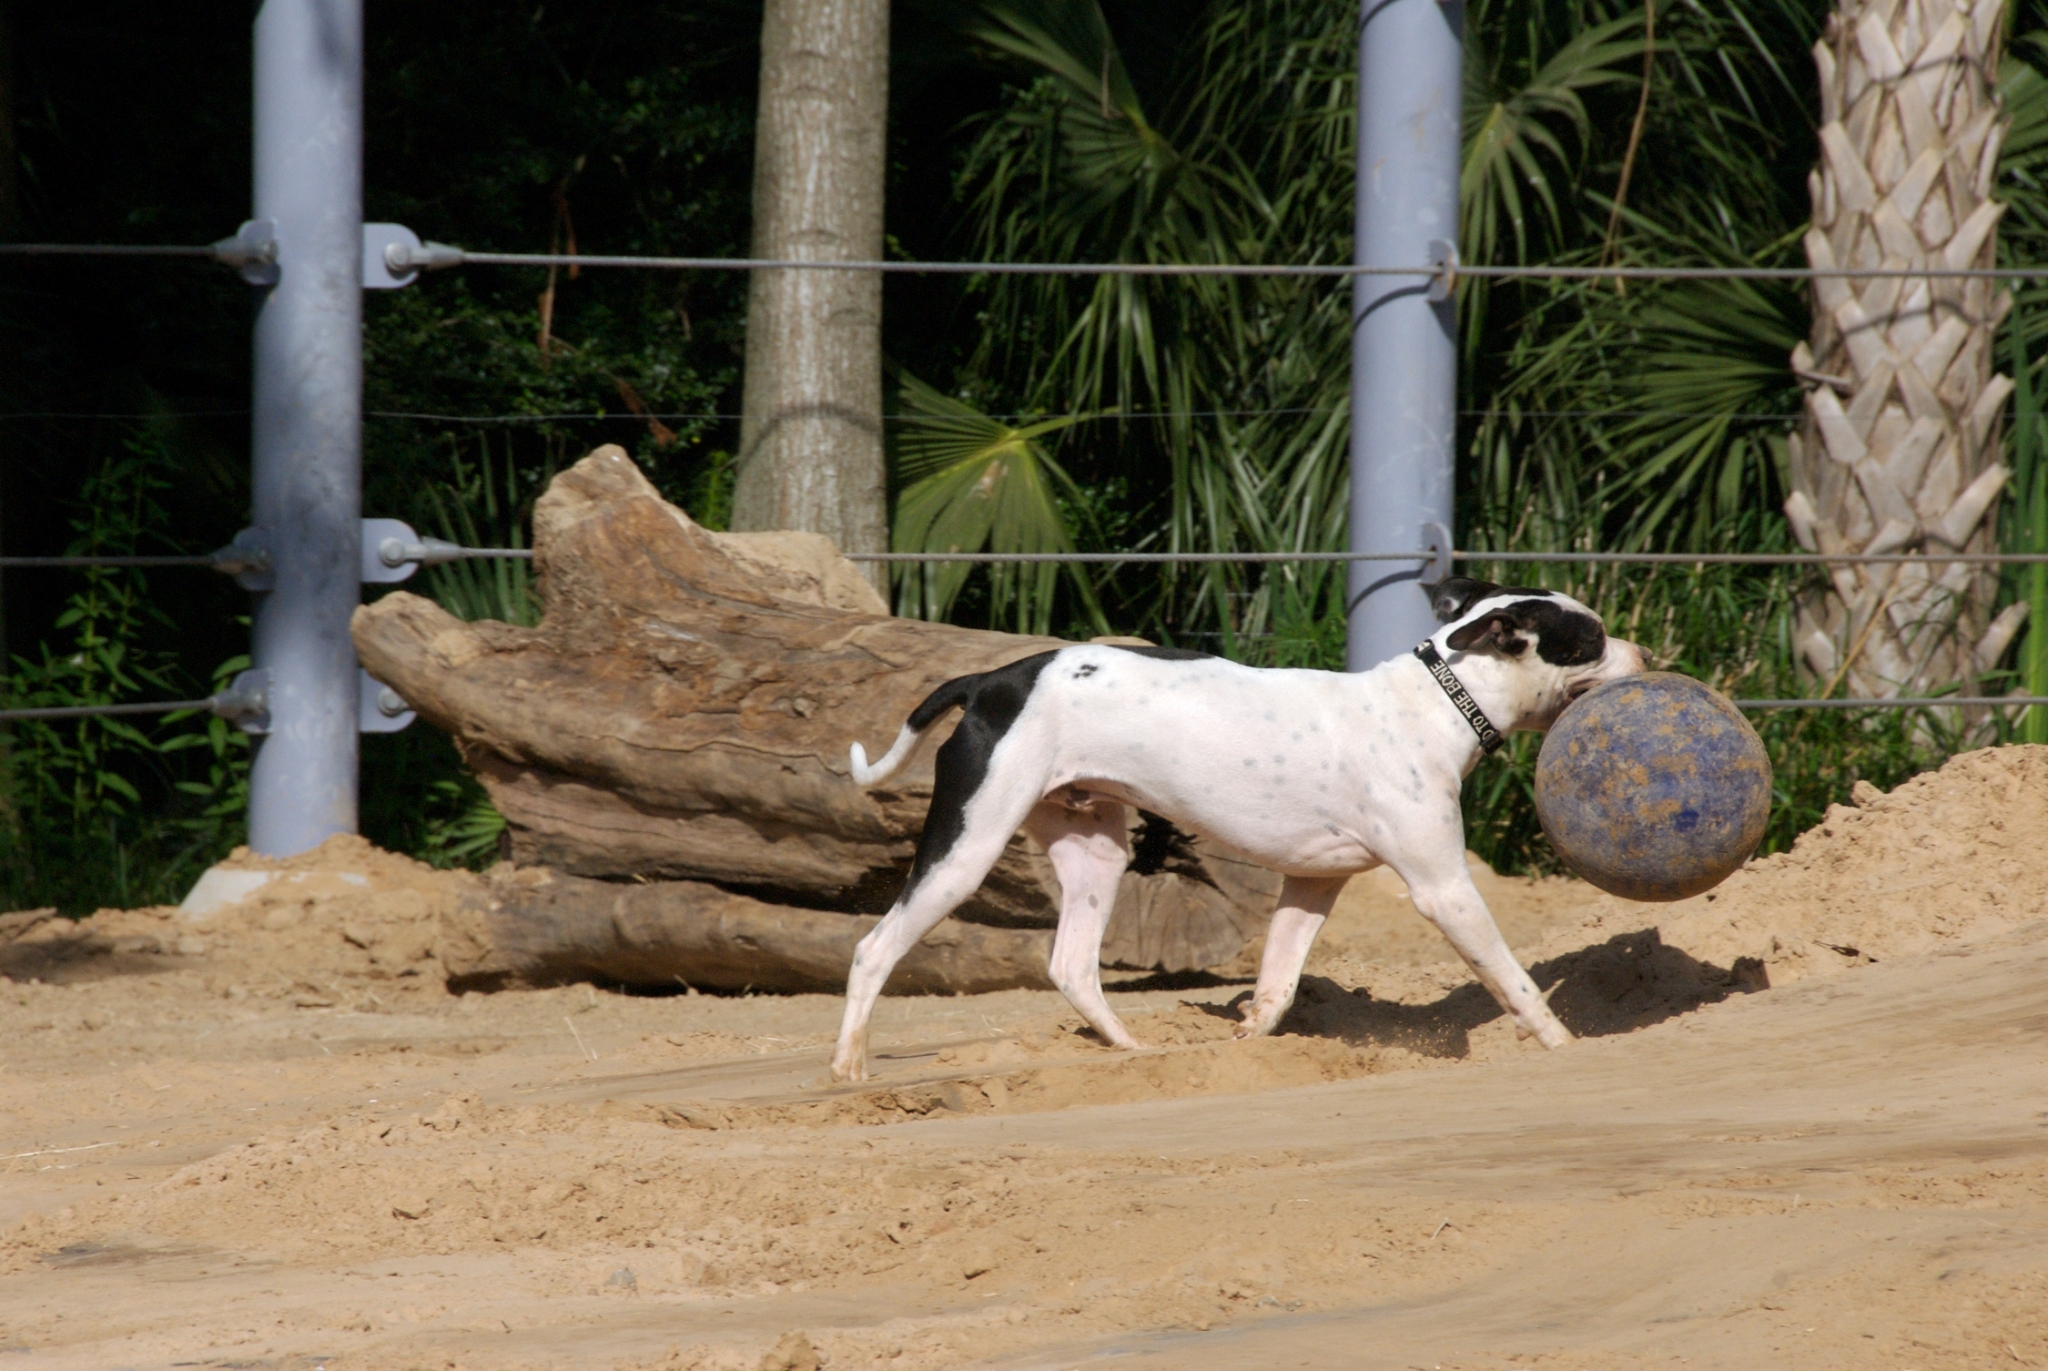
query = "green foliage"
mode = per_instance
[
  {"x": 2026, "y": 530},
  {"x": 2023, "y": 238},
  {"x": 1596, "y": 416},
  {"x": 971, "y": 484},
  {"x": 476, "y": 507},
  {"x": 102, "y": 811}
]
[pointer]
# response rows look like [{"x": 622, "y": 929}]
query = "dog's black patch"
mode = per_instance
[
  {"x": 1452, "y": 596},
  {"x": 1165, "y": 654},
  {"x": 1083, "y": 671},
  {"x": 992, "y": 700},
  {"x": 1564, "y": 637}
]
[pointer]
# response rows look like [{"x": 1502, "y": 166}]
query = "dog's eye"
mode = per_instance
[{"x": 1514, "y": 647}]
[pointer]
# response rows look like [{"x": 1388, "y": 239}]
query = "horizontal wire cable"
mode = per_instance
[
  {"x": 179, "y": 559},
  {"x": 444, "y": 256},
  {"x": 1213, "y": 558},
  {"x": 99, "y": 711},
  {"x": 630, "y": 418},
  {"x": 107, "y": 250},
  {"x": 1617, "y": 558},
  {"x": 553, "y": 259},
  {"x": 1917, "y": 702}
]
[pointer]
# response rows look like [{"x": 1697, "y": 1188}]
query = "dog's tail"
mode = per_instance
[{"x": 954, "y": 692}]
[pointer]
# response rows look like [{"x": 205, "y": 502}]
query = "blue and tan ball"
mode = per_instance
[{"x": 1654, "y": 787}]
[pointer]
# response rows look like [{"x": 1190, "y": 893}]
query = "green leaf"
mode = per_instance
[{"x": 968, "y": 483}]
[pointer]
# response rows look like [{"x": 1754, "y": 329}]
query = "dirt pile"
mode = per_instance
[
  {"x": 265, "y": 1131},
  {"x": 331, "y": 926}
]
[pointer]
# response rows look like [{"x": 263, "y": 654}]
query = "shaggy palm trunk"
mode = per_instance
[
  {"x": 811, "y": 437},
  {"x": 1898, "y": 449}
]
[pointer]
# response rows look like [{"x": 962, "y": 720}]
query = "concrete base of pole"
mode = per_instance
[{"x": 1404, "y": 363}]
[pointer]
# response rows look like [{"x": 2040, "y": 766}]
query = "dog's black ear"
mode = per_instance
[
  {"x": 1453, "y": 595},
  {"x": 1496, "y": 630}
]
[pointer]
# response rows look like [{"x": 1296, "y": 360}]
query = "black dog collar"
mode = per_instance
[{"x": 1490, "y": 738}]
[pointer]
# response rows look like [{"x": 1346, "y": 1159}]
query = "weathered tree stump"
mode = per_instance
[
  {"x": 684, "y": 708},
  {"x": 534, "y": 927}
]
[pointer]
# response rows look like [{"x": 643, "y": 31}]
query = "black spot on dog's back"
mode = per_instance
[{"x": 1166, "y": 654}]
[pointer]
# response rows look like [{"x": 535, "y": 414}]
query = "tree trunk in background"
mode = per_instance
[
  {"x": 1898, "y": 450},
  {"x": 811, "y": 440},
  {"x": 10, "y": 228}
]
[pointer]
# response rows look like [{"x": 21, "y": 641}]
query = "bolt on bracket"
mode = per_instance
[
  {"x": 252, "y": 252},
  {"x": 1437, "y": 539},
  {"x": 403, "y": 254},
  {"x": 392, "y": 552},
  {"x": 1443, "y": 255},
  {"x": 246, "y": 701},
  {"x": 379, "y": 708},
  {"x": 248, "y": 559}
]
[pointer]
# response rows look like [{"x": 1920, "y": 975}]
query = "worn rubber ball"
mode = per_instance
[{"x": 1653, "y": 787}]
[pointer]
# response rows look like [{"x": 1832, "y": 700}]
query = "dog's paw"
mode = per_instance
[{"x": 1552, "y": 1035}]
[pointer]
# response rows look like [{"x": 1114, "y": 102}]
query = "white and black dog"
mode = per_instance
[{"x": 1318, "y": 775}]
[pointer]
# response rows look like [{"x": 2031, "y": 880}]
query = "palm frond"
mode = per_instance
[
  {"x": 969, "y": 483},
  {"x": 1512, "y": 136}
]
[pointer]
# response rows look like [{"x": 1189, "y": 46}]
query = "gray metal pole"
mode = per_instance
[
  {"x": 1404, "y": 365},
  {"x": 308, "y": 417}
]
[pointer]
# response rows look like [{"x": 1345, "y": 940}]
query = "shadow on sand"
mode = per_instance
[{"x": 1630, "y": 981}]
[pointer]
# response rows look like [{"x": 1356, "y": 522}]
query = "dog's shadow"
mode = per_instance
[{"x": 1629, "y": 982}]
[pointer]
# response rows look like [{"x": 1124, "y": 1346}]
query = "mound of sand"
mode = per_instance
[
  {"x": 331, "y": 926},
  {"x": 1950, "y": 855},
  {"x": 561, "y": 1147}
]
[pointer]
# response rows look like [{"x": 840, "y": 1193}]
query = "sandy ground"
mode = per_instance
[{"x": 1806, "y": 1126}]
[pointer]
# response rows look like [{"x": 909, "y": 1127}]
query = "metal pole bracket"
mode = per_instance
[
  {"x": 1437, "y": 539},
  {"x": 381, "y": 709},
  {"x": 392, "y": 552},
  {"x": 1443, "y": 255},
  {"x": 409, "y": 257},
  {"x": 252, "y": 252},
  {"x": 387, "y": 250},
  {"x": 246, "y": 701},
  {"x": 248, "y": 559}
]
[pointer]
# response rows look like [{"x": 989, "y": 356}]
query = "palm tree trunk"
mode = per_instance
[
  {"x": 1898, "y": 450},
  {"x": 811, "y": 438}
]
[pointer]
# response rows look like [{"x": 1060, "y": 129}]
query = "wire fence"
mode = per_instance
[
  {"x": 1473, "y": 555},
  {"x": 1104, "y": 416},
  {"x": 438, "y": 256}
]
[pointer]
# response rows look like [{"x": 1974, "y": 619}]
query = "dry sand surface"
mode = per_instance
[{"x": 1806, "y": 1126}]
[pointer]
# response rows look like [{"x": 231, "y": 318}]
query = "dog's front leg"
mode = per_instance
[
  {"x": 1442, "y": 890},
  {"x": 1305, "y": 903}
]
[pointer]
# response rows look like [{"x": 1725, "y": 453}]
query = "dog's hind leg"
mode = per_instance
[
  {"x": 955, "y": 853},
  {"x": 1089, "y": 850},
  {"x": 1304, "y": 904}
]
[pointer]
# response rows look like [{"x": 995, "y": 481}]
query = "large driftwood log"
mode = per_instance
[
  {"x": 683, "y": 712},
  {"x": 535, "y": 927}
]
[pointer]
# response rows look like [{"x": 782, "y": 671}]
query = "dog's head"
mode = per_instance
[{"x": 1527, "y": 652}]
